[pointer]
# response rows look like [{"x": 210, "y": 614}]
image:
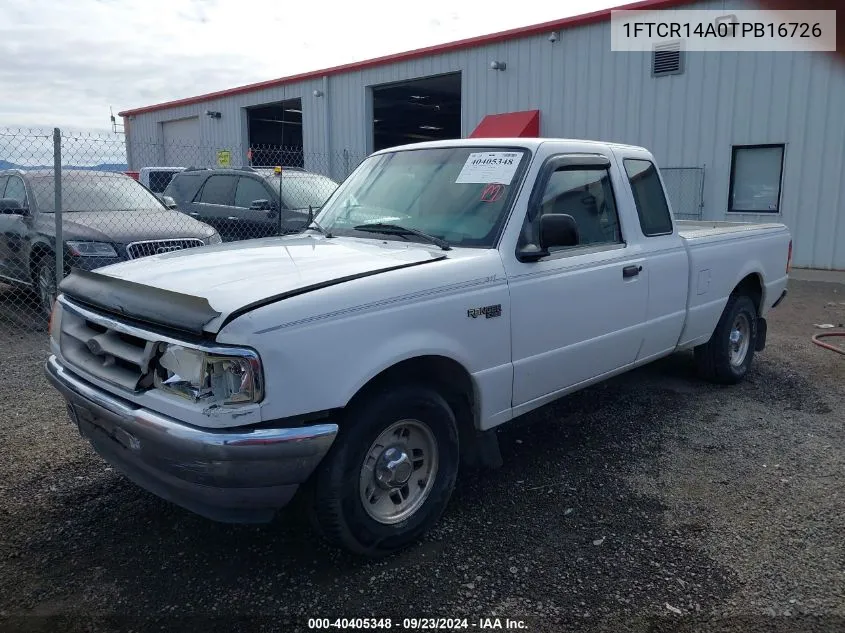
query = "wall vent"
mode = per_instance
[{"x": 667, "y": 59}]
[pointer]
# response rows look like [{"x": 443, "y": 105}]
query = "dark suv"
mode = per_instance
[
  {"x": 250, "y": 202},
  {"x": 107, "y": 217}
]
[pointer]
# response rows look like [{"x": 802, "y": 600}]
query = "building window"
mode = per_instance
[
  {"x": 756, "y": 172},
  {"x": 667, "y": 59}
]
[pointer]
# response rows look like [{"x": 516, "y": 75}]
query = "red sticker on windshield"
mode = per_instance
[{"x": 492, "y": 192}]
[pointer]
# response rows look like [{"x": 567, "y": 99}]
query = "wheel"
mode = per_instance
[
  {"x": 726, "y": 357},
  {"x": 46, "y": 284},
  {"x": 390, "y": 472}
]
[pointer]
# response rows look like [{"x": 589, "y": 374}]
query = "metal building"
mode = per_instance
[{"x": 740, "y": 136}]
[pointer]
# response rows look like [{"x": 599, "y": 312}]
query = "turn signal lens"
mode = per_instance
[{"x": 55, "y": 323}]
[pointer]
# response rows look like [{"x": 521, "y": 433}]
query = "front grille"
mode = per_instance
[
  {"x": 156, "y": 247},
  {"x": 116, "y": 357}
]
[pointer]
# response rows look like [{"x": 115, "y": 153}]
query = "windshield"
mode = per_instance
[
  {"x": 300, "y": 191},
  {"x": 458, "y": 194},
  {"x": 94, "y": 192}
]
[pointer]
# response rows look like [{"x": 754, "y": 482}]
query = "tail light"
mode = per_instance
[{"x": 789, "y": 258}]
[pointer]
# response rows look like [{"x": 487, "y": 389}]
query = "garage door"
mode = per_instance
[{"x": 181, "y": 142}]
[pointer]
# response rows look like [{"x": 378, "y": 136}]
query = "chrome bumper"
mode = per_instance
[{"x": 230, "y": 475}]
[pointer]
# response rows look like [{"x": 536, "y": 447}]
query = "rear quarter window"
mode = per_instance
[{"x": 652, "y": 209}]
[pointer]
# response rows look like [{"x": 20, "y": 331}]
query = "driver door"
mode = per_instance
[
  {"x": 213, "y": 205},
  {"x": 578, "y": 312},
  {"x": 255, "y": 222}
]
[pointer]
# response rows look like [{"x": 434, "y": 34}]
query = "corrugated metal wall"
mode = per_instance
[{"x": 584, "y": 90}]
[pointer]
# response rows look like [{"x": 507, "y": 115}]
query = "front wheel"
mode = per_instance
[
  {"x": 46, "y": 284},
  {"x": 390, "y": 472},
  {"x": 726, "y": 357}
]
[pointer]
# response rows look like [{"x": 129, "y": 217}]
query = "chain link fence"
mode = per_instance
[
  {"x": 685, "y": 189},
  {"x": 77, "y": 190}
]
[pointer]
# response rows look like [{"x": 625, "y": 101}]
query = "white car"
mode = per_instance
[{"x": 444, "y": 289}]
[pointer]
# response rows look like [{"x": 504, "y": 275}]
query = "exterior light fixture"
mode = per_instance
[{"x": 497, "y": 65}]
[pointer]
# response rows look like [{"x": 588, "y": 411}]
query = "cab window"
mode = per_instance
[
  {"x": 248, "y": 191},
  {"x": 218, "y": 190},
  {"x": 586, "y": 195}
]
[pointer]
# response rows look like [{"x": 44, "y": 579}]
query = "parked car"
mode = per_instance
[
  {"x": 107, "y": 217},
  {"x": 444, "y": 289},
  {"x": 249, "y": 203}
]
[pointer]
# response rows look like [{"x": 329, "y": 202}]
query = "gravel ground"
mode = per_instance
[{"x": 653, "y": 502}]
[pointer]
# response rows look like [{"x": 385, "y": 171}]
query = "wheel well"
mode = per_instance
[
  {"x": 752, "y": 286},
  {"x": 447, "y": 376},
  {"x": 38, "y": 251}
]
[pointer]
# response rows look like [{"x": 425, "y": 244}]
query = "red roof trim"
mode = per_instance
[{"x": 439, "y": 49}]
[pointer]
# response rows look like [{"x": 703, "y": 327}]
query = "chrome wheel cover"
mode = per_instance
[{"x": 398, "y": 471}]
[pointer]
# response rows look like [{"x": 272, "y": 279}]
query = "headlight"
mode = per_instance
[
  {"x": 91, "y": 249},
  {"x": 215, "y": 238},
  {"x": 210, "y": 378}
]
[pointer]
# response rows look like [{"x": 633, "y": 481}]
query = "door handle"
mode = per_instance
[
  {"x": 232, "y": 217},
  {"x": 631, "y": 271},
  {"x": 193, "y": 213}
]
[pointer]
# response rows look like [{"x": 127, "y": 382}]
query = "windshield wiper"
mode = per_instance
[{"x": 396, "y": 229}]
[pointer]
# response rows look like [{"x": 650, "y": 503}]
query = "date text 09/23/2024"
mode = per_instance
[{"x": 418, "y": 624}]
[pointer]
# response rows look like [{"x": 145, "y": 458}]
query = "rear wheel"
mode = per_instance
[
  {"x": 390, "y": 472},
  {"x": 727, "y": 356}
]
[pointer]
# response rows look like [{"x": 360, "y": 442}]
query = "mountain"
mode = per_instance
[{"x": 4, "y": 164}]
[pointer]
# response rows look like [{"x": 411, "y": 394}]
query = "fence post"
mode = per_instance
[
  {"x": 57, "y": 205},
  {"x": 279, "y": 210}
]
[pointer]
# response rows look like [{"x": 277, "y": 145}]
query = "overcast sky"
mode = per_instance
[{"x": 65, "y": 63}]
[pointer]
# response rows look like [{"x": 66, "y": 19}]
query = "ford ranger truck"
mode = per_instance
[{"x": 444, "y": 289}]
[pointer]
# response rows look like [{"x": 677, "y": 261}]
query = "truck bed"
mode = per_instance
[
  {"x": 692, "y": 229},
  {"x": 723, "y": 254}
]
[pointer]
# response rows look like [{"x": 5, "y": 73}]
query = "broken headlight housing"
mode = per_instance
[{"x": 228, "y": 378}]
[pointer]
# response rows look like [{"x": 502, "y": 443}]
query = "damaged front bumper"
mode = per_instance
[{"x": 229, "y": 475}]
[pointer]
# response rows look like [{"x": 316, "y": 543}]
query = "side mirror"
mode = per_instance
[
  {"x": 169, "y": 202},
  {"x": 260, "y": 205},
  {"x": 556, "y": 229},
  {"x": 10, "y": 206}
]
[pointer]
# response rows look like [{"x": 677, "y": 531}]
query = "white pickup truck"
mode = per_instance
[{"x": 444, "y": 289}]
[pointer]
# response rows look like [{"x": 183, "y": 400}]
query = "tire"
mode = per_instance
[
  {"x": 727, "y": 356},
  {"x": 45, "y": 284},
  {"x": 399, "y": 431}
]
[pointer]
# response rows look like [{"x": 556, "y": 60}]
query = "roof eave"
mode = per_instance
[{"x": 438, "y": 49}]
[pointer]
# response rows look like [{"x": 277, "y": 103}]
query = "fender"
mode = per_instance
[
  {"x": 407, "y": 346},
  {"x": 753, "y": 267}
]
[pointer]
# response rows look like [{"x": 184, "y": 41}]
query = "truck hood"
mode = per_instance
[{"x": 234, "y": 277}]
